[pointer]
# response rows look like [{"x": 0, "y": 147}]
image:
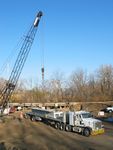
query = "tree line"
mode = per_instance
[{"x": 80, "y": 86}]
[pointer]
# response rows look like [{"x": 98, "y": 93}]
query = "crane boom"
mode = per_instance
[{"x": 8, "y": 89}]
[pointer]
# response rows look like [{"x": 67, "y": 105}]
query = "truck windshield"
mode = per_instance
[{"x": 86, "y": 115}]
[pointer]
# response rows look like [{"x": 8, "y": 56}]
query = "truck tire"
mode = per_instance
[
  {"x": 62, "y": 126},
  {"x": 32, "y": 118},
  {"x": 57, "y": 125},
  {"x": 68, "y": 128},
  {"x": 86, "y": 132},
  {"x": 110, "y": 111}
]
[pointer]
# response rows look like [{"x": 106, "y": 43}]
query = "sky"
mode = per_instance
[{"x": 72, "y": 34}]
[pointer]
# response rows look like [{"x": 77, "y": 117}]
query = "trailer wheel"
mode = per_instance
[
  {"x": 86, "y": 132},
  {"x": 62, "y": 126},
  {"x": 68, "y": 128},
  {"x": 32, "y": 118},
  {"x": 57, "y": 125}
]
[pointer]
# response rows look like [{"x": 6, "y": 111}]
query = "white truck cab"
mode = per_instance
[
  {"x": 84, "y": 118},
  {"x": 82, "y": 121}
]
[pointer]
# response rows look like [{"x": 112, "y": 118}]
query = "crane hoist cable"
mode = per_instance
[{"x": 43, "y": 52}]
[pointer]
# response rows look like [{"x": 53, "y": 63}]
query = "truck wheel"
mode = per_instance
[
  {"x": 32, "y": 118},
  {"x": 57, "y": 125},
  {"x": 61, "y": 126},
  {"x": 86, "y": 132},
  {"x": 110, "y": 111},
  {"x": 68, "y": 128}
]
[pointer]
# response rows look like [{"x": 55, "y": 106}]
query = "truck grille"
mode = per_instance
[{"x": 98, "y": 125}]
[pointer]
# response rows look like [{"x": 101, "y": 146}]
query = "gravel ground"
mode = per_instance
[{"x": 26, "y": 135}]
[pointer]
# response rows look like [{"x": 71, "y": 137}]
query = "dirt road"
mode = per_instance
[{"x": 27, "y": 135}]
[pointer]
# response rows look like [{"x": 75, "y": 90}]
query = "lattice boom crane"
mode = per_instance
[{"x": 8, "y": 89}]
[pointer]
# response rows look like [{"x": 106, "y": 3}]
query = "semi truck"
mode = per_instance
[{"x": 76, "y": 121}]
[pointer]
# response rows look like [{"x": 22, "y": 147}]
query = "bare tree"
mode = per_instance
[
  {"x": 79, "y": 87},
  {"x": 105, "y": 79},
  {"x": 78, "y": 84},
  {"x": 56, "y": 86}
]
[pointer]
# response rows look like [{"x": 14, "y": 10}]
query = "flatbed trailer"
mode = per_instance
[{"x": 80, "y": 121}]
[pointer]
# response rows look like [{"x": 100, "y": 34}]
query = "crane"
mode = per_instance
[{"x": 9, "y": 88}]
